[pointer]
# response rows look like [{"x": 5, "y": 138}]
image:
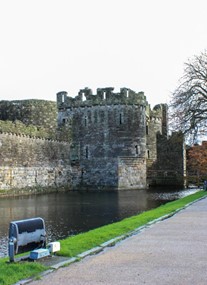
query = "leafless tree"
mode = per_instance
[{"x": 189, "y": 100}]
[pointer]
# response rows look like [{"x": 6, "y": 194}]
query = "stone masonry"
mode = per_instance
[
  {"x": 30, "y": 162},
  {"x": 97, "y": 142},
  {"x": 108, "y": 134},
  {"x": 114, "y": 137}
]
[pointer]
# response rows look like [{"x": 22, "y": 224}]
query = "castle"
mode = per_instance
[
  {"x": 118, "y": 142},
  {"x": 88, "y": 142}
]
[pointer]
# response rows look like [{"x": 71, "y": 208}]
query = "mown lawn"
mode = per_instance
[{"x": 11, "y": 273}]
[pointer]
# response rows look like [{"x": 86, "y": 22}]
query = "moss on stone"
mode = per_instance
[
  {"x": 35, "y": 118},
  {"x": 19, "y": 128}
]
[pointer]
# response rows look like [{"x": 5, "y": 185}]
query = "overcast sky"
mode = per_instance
[{"x": 53, "y": 45}]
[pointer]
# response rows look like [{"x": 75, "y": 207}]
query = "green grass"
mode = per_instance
[
  {"x": 11, "y": 273},
  {"x": 77, "y": 244}
]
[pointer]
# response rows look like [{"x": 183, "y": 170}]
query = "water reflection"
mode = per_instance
[{"x": 70, "y": 213}]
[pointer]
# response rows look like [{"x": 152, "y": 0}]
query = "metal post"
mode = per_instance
[{"x": 11, "y": 250}]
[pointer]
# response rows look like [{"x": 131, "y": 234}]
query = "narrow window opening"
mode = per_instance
[
  {"x": 86, "y": 153},
  {"x": 95, "y": 117},
  {"x": 64, "y": 121},
  {"x": 148, "y": 154},
  {"x": 127, "y": 93},
  {"x": 85, "y": 121},
  {"x": 136, "y": 149},
  {"x": 147, "y": 130},
  {"x": 63, "y": 98},
  {"x": 120, "y": 119}
]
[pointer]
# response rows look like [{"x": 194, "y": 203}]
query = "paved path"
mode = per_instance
[{"x": 173, "y": 251}]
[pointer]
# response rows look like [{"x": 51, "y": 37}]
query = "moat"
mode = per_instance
[{"x": 70, "y": 213}]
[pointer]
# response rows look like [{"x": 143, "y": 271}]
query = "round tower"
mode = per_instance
[{"x": 109, "y": 132}]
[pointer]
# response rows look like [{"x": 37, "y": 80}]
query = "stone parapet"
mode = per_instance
[{"x": 104, "y": 96}]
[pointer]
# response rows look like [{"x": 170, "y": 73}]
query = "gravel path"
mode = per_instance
[{"x": 173, "y": 251}]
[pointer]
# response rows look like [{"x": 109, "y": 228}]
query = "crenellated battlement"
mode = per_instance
[
  {"x": 157, "y": 112},
  {"x": 104, "y": 96},
  {"x": 17, "y": 136}
]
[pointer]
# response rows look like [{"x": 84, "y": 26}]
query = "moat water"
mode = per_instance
[{"x": 67, "y": 214}]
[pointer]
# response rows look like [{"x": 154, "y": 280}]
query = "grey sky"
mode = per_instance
[{"x": 53, "y": 45}]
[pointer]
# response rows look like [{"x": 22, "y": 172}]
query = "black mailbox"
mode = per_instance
[{"x": 26, "y": 235}]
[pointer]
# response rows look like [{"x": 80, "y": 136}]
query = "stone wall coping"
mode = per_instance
[{"x": 31, "y": 137}]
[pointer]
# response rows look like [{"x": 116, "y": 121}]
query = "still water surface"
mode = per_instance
[{"x": 70, "y": 213}]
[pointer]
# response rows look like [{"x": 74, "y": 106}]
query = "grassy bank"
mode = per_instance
[{"x": 11, "y": 273}]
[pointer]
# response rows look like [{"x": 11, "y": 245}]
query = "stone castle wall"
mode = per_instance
[
  {"x": 165, "y": 154},
  {"x": 108, "y": 136},
  {"x": 156, "y": 124},
  {"x": 113, "y": 174},
  {"x": 169, "y": 167},
  {"x": 31, "y": 162},
  {"x": 30, "y": 117},
  {"x": 105, "y": 141},
  {"x": 25, "y": 151},
  {"x": 132, "y": 173}
]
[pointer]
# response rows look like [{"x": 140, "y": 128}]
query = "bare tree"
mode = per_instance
[{"x": 189, "y": 100}]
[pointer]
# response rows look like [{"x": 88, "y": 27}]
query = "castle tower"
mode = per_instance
[
  {"x": 156, "y": 124},
  {"x": 108, "y": 136}
]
